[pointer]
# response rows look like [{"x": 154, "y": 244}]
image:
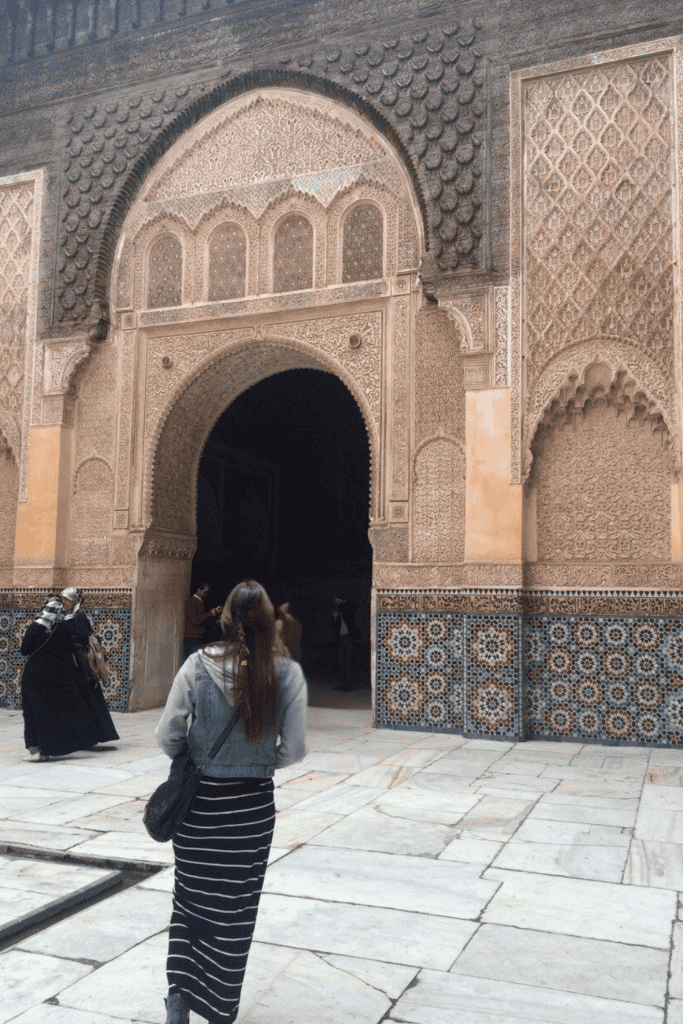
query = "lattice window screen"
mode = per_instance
[
  {"x": 165, "y": 273},
  {"x": 293, "y": 254},
  {"x": 227, "y": 262},
  {"x": 362, "y": 258}
]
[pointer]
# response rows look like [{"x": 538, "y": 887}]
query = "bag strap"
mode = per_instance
[{"x": 223, "y": 736}]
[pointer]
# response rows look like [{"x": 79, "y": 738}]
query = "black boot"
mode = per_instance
[{"x": 177, "y": 1011}]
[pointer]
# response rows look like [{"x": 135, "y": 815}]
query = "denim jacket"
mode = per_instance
[{"x": 203, "y": 697}]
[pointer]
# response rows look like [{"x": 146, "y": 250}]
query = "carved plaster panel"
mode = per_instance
[
  {"x": 468, "y": 574},
  {"x": 399, "y": 401},
  {"x": 501, "y": 309},
  {"x": 438, "y": 517},
  {"x": 227, "y": 214},
  {"x": 389, "y": 544},
  {"x": 439, "y": 388},
  {"x": 21, "y": 200},
  {"x": 144, "y": 242},
  {"x": 61, "y": 360},
  {"x": 631, "y": 576},
  {"x": 387, "y": 202},
  {"x": 305, "y": 206},
  {"x": 592, "y": 217},
  {"x": 91, "y": 513}
]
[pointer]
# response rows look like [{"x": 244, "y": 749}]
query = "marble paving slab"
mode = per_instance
[
  {"x": 588, "y": 800},
  {"x": 41, "y": 837},
  {"x": 63, "y": 812},
  {"x": 127, "y": 846},
  {"x": 636, "y": 974},
  {"x": 314, "y": 782},
  {"x": 456, "y": 999},
  {"x": 382, "y": 776},
  {"x": 341, "y": 799},
  {"x": 72, "y": 778},
  {"x": 414, "y": 757},
  {"x": 570, "y": 833},
  {"x": 658, "y": 865},
  {"x": 294, "y": 827},
  {"x": 124, "y": 817},
  {"x": 599, "y": 788},
  {"x": 675, "y": 1012},
  {"x": 496, "y": 818},
  {"x": 659, "y": 826},
  {"x": 676, "y": 966},
  {"x": 617, "y": 817},
  {"x": 382, "y": 880},
  {"x": 662, "y": 798},
  {"x": 30, "y": 978},
  {"x": 105, "y": 931},
  {"x": 45, "y": 876},
  {"x": 529, "y": 784},
  {"x": 601, "y": 863},
  {"x": 17, "y": 903},
  {"x": 510, "y": 766},
  {"x": 14, "y": 803},
  {"x": 467, "y": 850},
  {"x": 340, "y": 996},
  {"x": 370, "y": 829},
  {"x": 47, "y": 1014},
  {"x": 664, "y": 776},
  {"x": 588, "y": 909},
  {"x": 132, "y": 986},
  {"x": 373, "y": 933}
]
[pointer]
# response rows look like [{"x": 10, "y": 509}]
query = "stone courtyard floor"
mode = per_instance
[{"x": 414, "y": 878}]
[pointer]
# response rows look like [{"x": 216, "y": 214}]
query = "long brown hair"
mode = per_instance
[{"x": 248, "y": 625}]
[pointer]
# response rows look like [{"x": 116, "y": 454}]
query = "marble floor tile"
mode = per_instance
[
  {"x": 588, "y": 909},
  {"x": 127, "y": 846},
  {"x": 440, "y": 783},
  {"x": 391, "y": 979},
  {"x": 382, "y": 776},
  {"x": 674, "y": 758},
  {"x": 533, "y": 785},
  {"x": 659, "y": 826},
  {"x": 465, "y": 769},
  {"x": 439, "y": 998},
  {"x": 508, "y": 766},
  {"x": 442, "y": 740},
  {"x": 105, "y": 930},
  {"x": 72, "y": 778},
  {"x": 17, "y": 802},
  {"x": 42, "y": 837},
  {"x": 29, "y": 978},
  {"x": 373, "y": 933},
  {"x": 414, "y": 796},
  {"x": 314, "y": 782},
  {"x": 45, "y": 876},
  {"x": 132, "y": 986},
  {"x": 160, "y": 880},
  {"x": 48, "y": 1014},
  {"x": 470, "y": 851},
  {"x": 635, "y": 974},
  {"x": 603, "y": 863},
  {"x": 598, "y": 788},
  {"x": 675, "y": 1012},
  {"x": 293, "y": 827},
  {"x": 285, "y": 798},
  {"x": 63, "y": 812},
  {"x": 496, "y": 818},
  {"x": 283, "y": 775},
  {"x": 382, "y": 880},
  {"x": 339, "y": 995},
  {"x": 676, "y": 965},
  {"x": 124, "y": 817},
  {"x": 370, "y": 829},
  {"x": 16, "y": 903},
  {"x": 571, "y": 833},
  {"x": 664, "y": 776},
  {"x": 490, "y": 746},
  {"x": 414, "y": 757},
  {"x": 137, "y": 786},
  {"x": 348, "y": 763},
  {"x": 342, "y": 799},
  {"x": 662, "y": 798},
  {"x": 589, "y": 801},
  {"x": 657, "y": 865},
  {"x": 616, "y": 816}
]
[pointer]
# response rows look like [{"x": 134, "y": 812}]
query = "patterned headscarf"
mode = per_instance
[
  {"x": 50, "y": 613},
  {"x": 73, "y": 595}
]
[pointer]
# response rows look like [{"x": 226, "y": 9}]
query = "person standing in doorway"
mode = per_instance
[
  {"x": 346, "y": 634},
  {"x": 195, "y": 618},
  {"x": 289, "y": 630}
]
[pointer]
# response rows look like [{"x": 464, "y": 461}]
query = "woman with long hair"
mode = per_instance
[
  {"x": 221, "y": 848},
  {"x": 64, "y": 708}
]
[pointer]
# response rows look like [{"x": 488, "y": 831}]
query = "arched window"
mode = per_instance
[
  {"x": 293, "y": 254},
  {"x": 227, "y": 262},
  {"x": 165, "y": 273},
  {"x": 363, "y": 247}
]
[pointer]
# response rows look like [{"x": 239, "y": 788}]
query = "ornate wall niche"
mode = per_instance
[
  {"x": 593, "y": 184},
  {"x": 438, "y": 377},
  {"x": 438, "y": 515},
  {"x": 164, "y": 266},
  {"x": 298, "y": 206},
  {"x": 61, "y": 360},
  {"x": 9, "y": 493},
  {"x": 232, "y": 214},
  {"x": 91, "y": 513},
  {"x": 471, "y": 315},
  {"x": 600, "y": 483},
  {"x": 145, "y": 238},
  {"x": 21, "y": 205},
  {"x": 362, "y": 243},
  {"x": 293, "y": 244},
  {"x": 386, "y": 200}
]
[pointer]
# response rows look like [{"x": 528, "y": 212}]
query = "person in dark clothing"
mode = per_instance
[
  {"x": 289, "y": 630},
  {"x": 346, "y": 635},
  {"x": 61, "y": 710},
  {"x": 196, "y": 618},
  {"x": 80, "y": 628}
]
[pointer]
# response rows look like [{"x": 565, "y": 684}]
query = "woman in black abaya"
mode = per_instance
[{"x": 63, "y": 705}]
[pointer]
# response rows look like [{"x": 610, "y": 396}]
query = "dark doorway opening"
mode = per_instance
[{"x": 283, "y": 497}]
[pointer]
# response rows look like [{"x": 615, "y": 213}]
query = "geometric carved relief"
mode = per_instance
[
  {"x": 9, "y": 492},
  {"x": 439, "y": 502},
  {"x": 602, "y": 474},
  {"x": 293, "y": 254},
  {"x": 597, "y": 210},
  {"x": 363, "y": 244},
  {"x": 16, "y": 223},
  {"x": 439, "y": 388},
  {"x": 165, "y": 273},
  {"x": 91, "y": 513},
  {"x": 227, "y": 262}
]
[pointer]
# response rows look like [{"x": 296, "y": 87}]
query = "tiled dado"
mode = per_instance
[
  {"x": 603, "y": 667},
  {"x": 110, "y": 614}
]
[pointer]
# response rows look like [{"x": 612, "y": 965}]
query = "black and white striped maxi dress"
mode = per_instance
[{"x": 221, "y": 852}]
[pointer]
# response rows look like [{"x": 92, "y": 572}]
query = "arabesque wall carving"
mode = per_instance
[
  {"x": 91, "y": 513},
  {"x": 439, "y": 502},
  {"x": 439, "y": 387},
  {"x": 602, "y": 474}
]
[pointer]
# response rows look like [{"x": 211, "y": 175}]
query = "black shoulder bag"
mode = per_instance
[{"x": 170, "y": 802}]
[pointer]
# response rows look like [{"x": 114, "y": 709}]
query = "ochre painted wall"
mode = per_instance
[
  {"x": 42, "y": 520},
  {"x": 494, "y": 505}
]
